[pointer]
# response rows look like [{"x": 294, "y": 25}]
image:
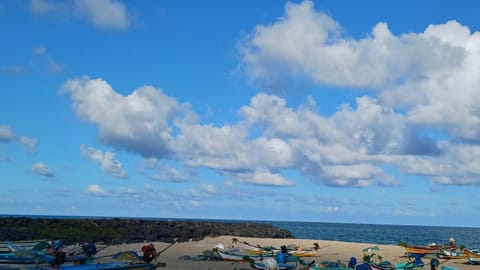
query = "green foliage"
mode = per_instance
[{"x": 402, "y": 244}]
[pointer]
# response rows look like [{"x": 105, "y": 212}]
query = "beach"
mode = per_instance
[{"x": 184, "y": 255}]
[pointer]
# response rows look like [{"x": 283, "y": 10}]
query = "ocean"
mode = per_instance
[
  {"x": 382, "y": 234},
  {"x": 349, "y": 232}
]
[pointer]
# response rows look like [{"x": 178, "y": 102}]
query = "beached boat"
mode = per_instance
[
  {"x": 233, "y": 257},
  {"x": 452, "y": 254},
  {"x": 424, "y": 250},
  {"x": 265, "y": 266},
  {"x": 329, "y": 265},
  {"x": 272, "y": 251},
  {"x": 110, "y": 266},
  {"x": 25, "y": 245},
  {"x": 446, "y": 267},
  {"x": 19, "y": 255},
  {"x": 384, "y": 265},
  {"x": 472, "y": 257},
  {"x": 238, "y": 256}
]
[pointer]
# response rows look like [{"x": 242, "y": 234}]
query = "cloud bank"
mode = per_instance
[
  {"x": 421, "y": 117},
  {"x": 103, "y": 14}
]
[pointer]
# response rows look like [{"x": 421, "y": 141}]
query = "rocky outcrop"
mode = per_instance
[{"x": 116, "y": 231}]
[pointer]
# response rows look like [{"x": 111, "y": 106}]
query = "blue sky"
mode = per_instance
[{"x": 329, "y": 111}]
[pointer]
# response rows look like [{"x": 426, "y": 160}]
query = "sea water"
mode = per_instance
[{"x": 382, "y": 234}]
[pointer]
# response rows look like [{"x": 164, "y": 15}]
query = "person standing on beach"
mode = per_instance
[{"x": 149, "y": 253}]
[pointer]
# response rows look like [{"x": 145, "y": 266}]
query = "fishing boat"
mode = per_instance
[
  {"x": 329, "y": 265},
  {"x": 19, "y": 255},
  {"x": 472, "y": 257},
  {"x": 272, "y": 251},
  {"x": 384, "y": 265},
  {"x": 452, "y": 254},
  {"x": 110, "y": 266},
  {"x": 265, "y": 266},
  {"x": 235, "y": 255},
  {"x": 424, "y": 250}
]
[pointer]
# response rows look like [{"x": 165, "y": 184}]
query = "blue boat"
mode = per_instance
[{"x": 110, "y": 266}]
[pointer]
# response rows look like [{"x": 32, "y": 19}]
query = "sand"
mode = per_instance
[{"x": 182, "y": 256}]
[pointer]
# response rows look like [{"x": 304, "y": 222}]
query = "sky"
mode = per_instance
[{"x": 323, "y": 111}]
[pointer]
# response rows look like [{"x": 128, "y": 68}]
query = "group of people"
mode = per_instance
[{"x": 60, "y": 255}]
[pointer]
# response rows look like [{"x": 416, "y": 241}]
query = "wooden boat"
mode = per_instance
[
  {"x": 424, "y": 250},
  {"x": 472, "y": 257}
]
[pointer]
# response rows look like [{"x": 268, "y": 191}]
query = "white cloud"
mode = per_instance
[
  {"x": 30, "y": 143},
  {"x": 433, "y": 75},
  {"x": 163, "y": 172},
  {"x": 457, "y": 165},
  {"x": 208, "y": 189},
  {"x": 96, "y": 190},
  {"x": 104, "y": 14},
  {"x": 6, "y": 134},
  {"x": 43, "y": 170},
  {"x": 107, "y": 14},
  {"x": 106, "y": 161},
  {"x": 307, "y": 43},
  {"x": 263, "y": 177},
  {"x": 138, "y": 122},
  {"x": 405, "y": 212},
  {"x": 193, "y": 203},
  {"x": 127, "y": 190}
]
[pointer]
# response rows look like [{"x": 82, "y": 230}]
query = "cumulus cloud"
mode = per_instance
[
  {"x": 103, "y": 14},
  {"x": 208, "y": 189},
  {"x": 96, "y": 190},
  {"x": 29, "y": 143},
  {"x": 8, "y": 136},
  {"x": 310, "y": 44},
  {"x": 457, "y": 165},
  {"x": 300, "y": 139},
  {"x": 138, "y": 122},
  {"x": 431, "y": 75},
  {"x": 348, "y": 149},
  {"x": 156, "y": 170},
  {"x": 43, "y": 170},
  {"x": 106, "y": 161}
]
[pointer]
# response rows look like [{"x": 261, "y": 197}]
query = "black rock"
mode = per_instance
[{"x": 116, "y": 230}]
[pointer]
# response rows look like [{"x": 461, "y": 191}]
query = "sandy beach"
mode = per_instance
[{"x": 182, "y": 256}]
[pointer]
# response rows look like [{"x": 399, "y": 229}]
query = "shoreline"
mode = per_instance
[{"x": 182, "y": 255}]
